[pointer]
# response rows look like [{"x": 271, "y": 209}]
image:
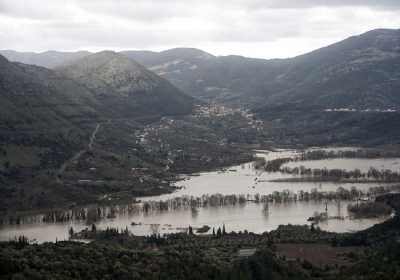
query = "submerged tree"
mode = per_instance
[{"x": 219, "y": 233}]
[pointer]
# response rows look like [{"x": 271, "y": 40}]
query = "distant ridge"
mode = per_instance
[
  {"x": 360, "y": 72},
  {"x": 48, "y": 59}
]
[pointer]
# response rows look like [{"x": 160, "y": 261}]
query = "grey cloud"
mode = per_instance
[
  {"x": 148, "y": 10},
  {"x": 34, "y": 9},
  {"x": 296, "y": 4},
  {"x": 150, "y": 24}
]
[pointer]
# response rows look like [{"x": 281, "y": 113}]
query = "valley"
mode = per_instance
[{"x": 179, "y": 162}]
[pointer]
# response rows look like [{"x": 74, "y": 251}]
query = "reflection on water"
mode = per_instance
[
  {"x": 242, "y": 179},
  {"x": 253, "y": 217}
]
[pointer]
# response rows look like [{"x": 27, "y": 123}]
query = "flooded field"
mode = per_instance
[
  {"x": 349, "y": 164},
  {"x": 242, "y": 179}
]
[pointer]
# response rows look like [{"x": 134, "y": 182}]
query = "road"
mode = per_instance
[
  {"x": 76, "y": 156},
  {"x": 93, "y": 136}
]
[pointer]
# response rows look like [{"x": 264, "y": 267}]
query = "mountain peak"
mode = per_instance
[
  {"x": 107, "y": 57},
  {"x": 187, "y": 53},
  {"x": 382, "y": 31},
  {"x": 106, "y": 69},
  {"x": 127, "y": 87},
  {"x": 382, "y": 39},
  {"x": 106, "y": 53}
]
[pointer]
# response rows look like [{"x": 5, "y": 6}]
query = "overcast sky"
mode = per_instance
[{"x": 254, "y": 28}]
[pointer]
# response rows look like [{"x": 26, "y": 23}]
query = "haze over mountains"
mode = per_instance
[
  {"x": 324, "y": 78},
  {"x": 48, "y": 59}
]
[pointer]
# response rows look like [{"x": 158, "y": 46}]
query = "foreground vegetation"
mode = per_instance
[{"x": 119, "y": 256}]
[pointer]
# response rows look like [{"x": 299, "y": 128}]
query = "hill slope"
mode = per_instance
[
  {"x": 35, "y": 97},
  {"x": 127, "y": 87},
  {"x": 360, "y": 72},
  {"x": 44, "y": 119}
]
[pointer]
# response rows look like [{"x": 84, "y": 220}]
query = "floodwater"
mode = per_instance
[
  {"x": 349, "y": 164},
  {"x": 241, "y": 179}
]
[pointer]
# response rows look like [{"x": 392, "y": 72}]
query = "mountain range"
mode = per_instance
[{"x": 359, "y": 72}]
